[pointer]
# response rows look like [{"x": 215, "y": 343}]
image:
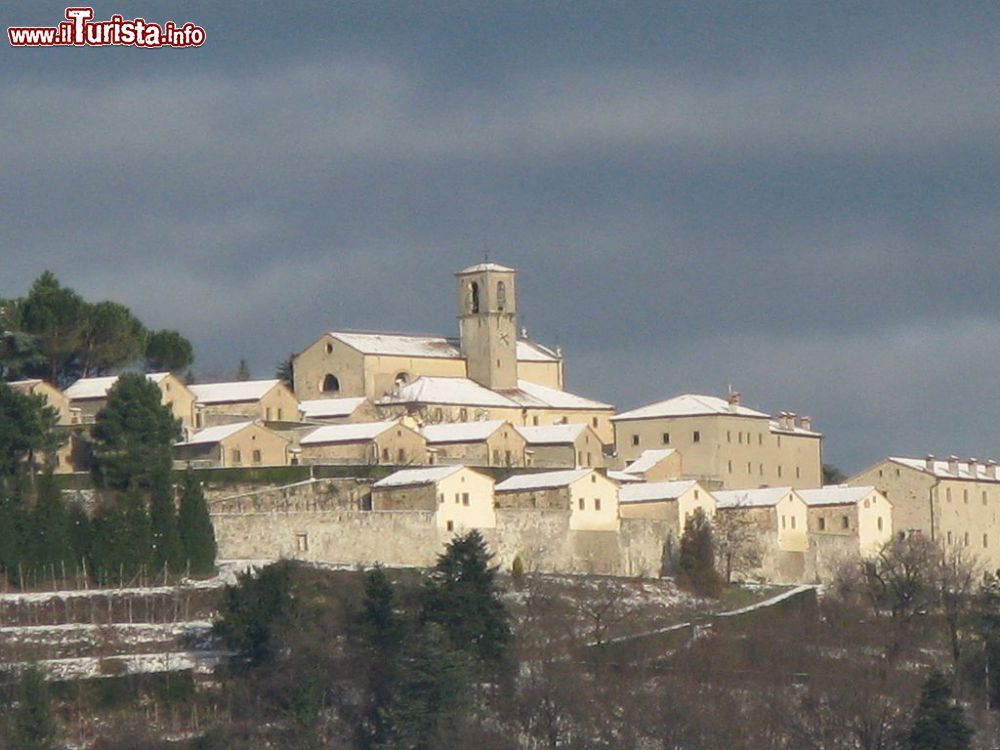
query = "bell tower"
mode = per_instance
[{"x": 487, "y": 323}]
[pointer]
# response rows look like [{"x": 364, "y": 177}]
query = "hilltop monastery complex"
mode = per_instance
[{"x": 449, "y": 434}]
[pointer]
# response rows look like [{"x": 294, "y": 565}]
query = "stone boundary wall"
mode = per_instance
[{"x": 321, "y": 520}]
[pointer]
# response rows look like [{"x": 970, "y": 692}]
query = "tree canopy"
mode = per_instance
[{"x": 133, "y": 436}]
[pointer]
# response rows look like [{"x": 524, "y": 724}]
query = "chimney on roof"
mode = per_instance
[
  {"x": 929, "y": 462},
  {"x": 807, "y": 423},
  {"x": 953, "y": 464},
  {"x": 734, "y": 398},
  {"x": 973, "y": 469},
  {"x": 991, "y": 469}
]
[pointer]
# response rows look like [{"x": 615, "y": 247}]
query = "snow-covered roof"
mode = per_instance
[
  {"x": 541, "y": 481},
  {"x": 532, "y": 351},
  {"x": 330, "y": 407},
  {"x": 941, "y": 470},
  {"x": 533, "y": 395},
  {"x": 215, "y": 434},
  {"x": 438, "y": 390},
  {"x": 835, "y": 494},
  {"x": 87, "y": 388},
  {"x": 410, "y": 477},
  {"x": 435, "y": 347},
  {"x": 224, "y": 393},
  {"x": 654, "y": 491},
  {"x": 763, "y": 497},
  {"x": 461, "y": 432},
  {"x": 689, "y": 405},
  {"x": 347, "y": 433},
  {"x": 622, "y": 478},
  {"x": 399, "y": 344},
  {"x": 647, "y": 460},
  {"x": 551, "y": 434},
  {"x": 480, "y": 267},
  {"x": 775, "y": 426}
]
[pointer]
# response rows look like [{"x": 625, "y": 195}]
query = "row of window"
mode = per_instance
[
  {"x": 965, "y": 496},
  {"x": 460, "y": 498},
  {"x": 236, "y": 457},
  {"x": 966, "y": 540},
  {"x": 760, "y": 469},
  {"x": 740, "y": 436},
  {"x": 582, "y": 503}
]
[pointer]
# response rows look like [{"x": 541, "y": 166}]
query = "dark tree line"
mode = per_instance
[
  {"x": 136, "y": 526},
  {"x": 54, "y": 334}
]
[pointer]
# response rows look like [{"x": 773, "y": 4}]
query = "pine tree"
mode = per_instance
[
  {"x": 32, "y": 725},
  {"x": 133, "y": 436},
  {"x": 381, "y": 630},
  {"x": 195, "y": 528},
  {"x": 243, "y": 373},
  {"x": 433, "y": 681},
  {"x": 939, "y": 723},
  {"x": 167, "y": 551},
  {"x": 255, "y": 609},
  {"x": 696, "y": 563},
  {"x": 462, "y": 595}
]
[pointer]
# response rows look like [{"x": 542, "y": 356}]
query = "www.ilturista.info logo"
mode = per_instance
[{"x": 80, "y": 30}]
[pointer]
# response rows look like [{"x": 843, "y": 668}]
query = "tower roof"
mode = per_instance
[{"x": 480, "y": 267}]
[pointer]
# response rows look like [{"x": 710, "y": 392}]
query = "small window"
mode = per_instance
[
  {"x": 729, "y": 466},
  {"x": 984, "y": 497},
  {"x": 236, "y": 456},
  {"x": 845, "y": 522},
  {"x": 451, "y": 525},
  {"x": 986, "y": 541},
  {"x": 749, "y": 467},
  {"x": 739, "y": 438},
  {"x": 779, "y": 471},
  {"x": 465, "y": 498},
  {"x": 579, "y": 458},
  {"x": 635, "y": 440},
  {"x": 508, "y": 458},
  {"x": 966, "y": 539},
  {"x": 666, "y": 438},
  {"x": 280, "y": 415},
  {"x": 331, "y": 384},
  {"x": 760, "y": 439},
  {"x": 581, "y": 501},
  {"x": 401, "y": 455},
  {"x": 385, "y": 454},
  {"x": 474, "y": 297},
  {"x": 798, "y": 473},
  {"x": 463, "y": 414},
  {"x": 329, "y": 348},
  {"x": 783, "y": 522},
  {"x": 729, "y": 436},
  {"x": 256, "y": 456},
  {"x": 593, "y": 421},
  {"x": 880, "y": 523},
  {"x": 947, "y": 494},
  {"x": 458, "y": 498},
  {"x": 441, "y": 498},
  {"x": 534, "y": 420},
  {"x": 496, "y": 455},
  {"x": 301, "y": 542},
  {"x": 696, "y": 494},
  {"x": 197, "y": 420},
  {"x": 597, "y": 503},
  {"x": 593, "y": 478},
  {"x": 760, "y": 469},
  {"x": 965, "y": 496},
  {"x": 897, "y": 472},
  {"x": 501, "y": 296},
  {"x": 949, "y": 537},
  {"x": 793, "y": 522},
  {"x": 822, "y": 524},
  {"x": 267, "y": 414},
  {"x": 696, "y": 438}
]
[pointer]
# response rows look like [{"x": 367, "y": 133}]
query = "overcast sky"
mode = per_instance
[{"x": 799, "y": 199}]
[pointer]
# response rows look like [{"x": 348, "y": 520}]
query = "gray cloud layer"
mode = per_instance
[{"x": 802, "y": 204}]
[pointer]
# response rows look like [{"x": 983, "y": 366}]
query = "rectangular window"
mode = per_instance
[
  {"x": 986, "y": 541},
  {"x": 729, "y": 466},
  {"x": 579, "y": 458},
  {"x": 783, "y": 522},
  {"x": 798, "y": 473},
  {"x": 594, "y": 422},
  {"x": 385, "y": 454},
  {"x": 729, "y": 436},
  {"x": 534, "y": 421},
  {"x": 267, "y": 414},
  {"x": 822, "y": 524},
  {"x": 496, "y": 455},
  {"x": 947, "y": 494},
  {"x": 739, "y": 437},
  {"x": 458, "y": 498},
  {"x": 508, "y": 458},
  {"x": 465, "y": 498},
  {"x": 760, "y": 439},
  {"x": 966, "y": 539},
  {"x": 597, "y": 503},
  {"x": 451, "y": 525},
  {"x": 236, "y": 458},
  {"x": 441, "y": 498},
  {"x": 965, "y": 496},
  {"x": 949, "y": 537},
  {"x": 256, "y": 456},
  {"x": 845, "y": 522},
  {"x": 779, "y": 471},
  {"x": 749, "y": 467},
  {"x": 666, "y": 438},
  {"x": 402, "y": 456},
  {"x": 880, "y": 523},
  {"x": 984, "y": 497},
  {"x": 761, "y": 469},
  {"x": 581, "y": 503},
  {"x": 301, "y": 542},
  {"x": 793, "y": 522},
  {"x": 279, "y": 414},
  {"x": 696, "y": 438},
  {"x": 635, "y": 440}
]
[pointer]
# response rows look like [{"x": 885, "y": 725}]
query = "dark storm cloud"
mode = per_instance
[{"x": 799, "y": 202}]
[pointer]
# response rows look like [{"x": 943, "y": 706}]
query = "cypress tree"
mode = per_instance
[
  {"x": 195, "y": 527},
  {"x": 938, "y": 724},
  {"x": 382, "y": 635},
  {"x": 167, "y": 549},
  {"x": 696, "y": 563},
  {"x": 49, "y": 527},
  {"x": 136, "y": 548}
]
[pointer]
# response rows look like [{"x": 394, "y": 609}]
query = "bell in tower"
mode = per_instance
[{"x": 487, "y": 322}]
